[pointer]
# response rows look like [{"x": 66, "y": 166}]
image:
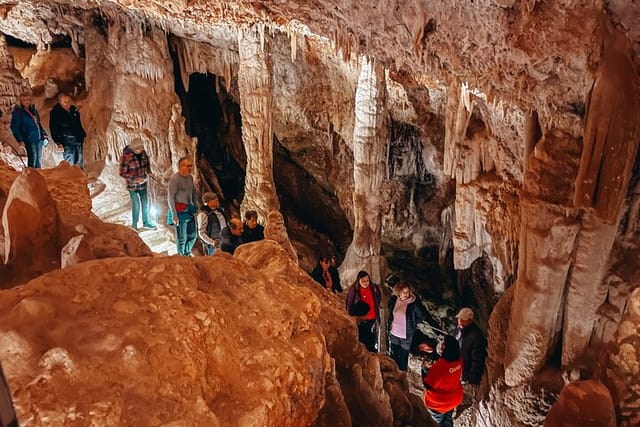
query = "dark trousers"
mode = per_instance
[
  {"x": 34, "y": 154},
  {"x": 186, "y": 234},
  {"x": 368, "y": 334},
  {"x": 73, "y": 154},
  {"x": 443, "y": 419},
  {"x": 400, "y": 351},
  {"x": 139, "y": 199}
]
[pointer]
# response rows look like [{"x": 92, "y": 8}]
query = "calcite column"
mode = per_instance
[
  {"x": 370, "y": 139},
  {"x": 548, "y": 230},
  {"x": 611, "y": 137},
  {"x": 256, "y": 108}
]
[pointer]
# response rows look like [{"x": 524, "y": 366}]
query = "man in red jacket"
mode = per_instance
[{"x": 443, "y": 390}]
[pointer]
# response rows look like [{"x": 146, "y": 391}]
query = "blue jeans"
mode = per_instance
[
  {"x": 186, "y": 234},
  {"x": 73, "y": 154},
  {"x": 208, "y": 249},
  {"x": 139, "y": 197},
  {"x": 34, "y": 154},
  {"x": 443, "y": 419}
]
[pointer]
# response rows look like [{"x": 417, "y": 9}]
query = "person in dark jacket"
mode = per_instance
[
  {"x": 405, "y": 312},
  {"x": 327, "y": 275},
  {"x": 443, "y": 391},
  {"x": 211, "y": 221},
  {"x": 365, "y": 292},
  {"x": 27, "y": 129},
  {"x": 231, "y": 236},
  {"x": 136, "y": 170},
  {"x": 7, "y": 412},
  {"x": 66, "y": 130},
  {"x": 473, "y": 347},
  {"x": 252, "y": 231}
]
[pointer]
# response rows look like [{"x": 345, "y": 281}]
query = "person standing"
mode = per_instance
[
  {"x": 443, "y": 391},
  {"x": 327, "y": 275},
  {"x": 405, "y": 312},
  {"x": 472, "y": 347},
  {"x": 136, "y": 170},
  {"x": 231, "y": 236},
  {"x": 211, "y": 220},
  {"x": 27, "y": 129},
  {"x": 363, "y": 293},
  {"x": 67, "y": 131},
  {"x": 182, "y": 206},
  {"x": 252, "y": 231}
]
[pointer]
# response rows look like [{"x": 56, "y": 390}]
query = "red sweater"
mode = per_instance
[{"x": 446, "y": 390}]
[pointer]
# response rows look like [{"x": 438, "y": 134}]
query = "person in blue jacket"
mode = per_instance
[{"x": 27, "y": 129}]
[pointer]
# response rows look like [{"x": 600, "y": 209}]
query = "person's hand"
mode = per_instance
[
  {"x": 140, "y": 180},
  {"x": 60, "y": 147},
  {"x": 216, "y": 242},
  {"x": 176, "y": 222}
]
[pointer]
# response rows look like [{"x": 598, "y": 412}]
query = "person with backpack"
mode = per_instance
[
  {"x": 27, "y": 129},
  {"x": 363, "y": 302},
  {"x": 211, "y": 220}
]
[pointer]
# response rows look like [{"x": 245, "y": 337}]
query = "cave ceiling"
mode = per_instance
[{"x": 540, "y": 55}]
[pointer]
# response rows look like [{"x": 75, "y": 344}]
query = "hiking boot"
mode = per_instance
[{"x": 149, "y": 225}]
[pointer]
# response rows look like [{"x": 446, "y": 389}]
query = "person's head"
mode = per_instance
[
  {"x": 325, "y": 262},
  {"x": 25, "y": 100},
  {"x": 449, "y": 348},
  {"x": 251, "y": 218},
  {"x": 184, "y": 166},
  {"x": 465, "y": 317},
  {"x": 64, "y": 100},
  {"x": 211, "y": 200},
  {"x": 363, "y": 279},
  {"x": 137, "y": 146},
  {"x": 403, "y": 291},
  {"x": 235, "y": 227}
]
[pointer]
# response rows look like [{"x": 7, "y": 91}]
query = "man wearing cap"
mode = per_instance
[
  {"x": 211, "y": 221},
  {"x": 472, "y": 347},
  {"x": 135, "y": 169}
]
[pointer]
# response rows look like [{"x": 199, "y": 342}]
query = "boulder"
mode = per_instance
[{"x": 582, "y": 404}]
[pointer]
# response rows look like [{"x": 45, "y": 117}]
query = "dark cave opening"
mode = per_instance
[
  {"x": 312, "y": 214},
  {"x": 212, "y": 117}
]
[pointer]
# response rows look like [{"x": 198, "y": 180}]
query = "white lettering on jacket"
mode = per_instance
[{"x": 452, "y": 370}]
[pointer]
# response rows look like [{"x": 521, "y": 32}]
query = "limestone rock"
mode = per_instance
[
  {"x": 43, "y": 211},
  {"x": 621, "y": 371},
  {"x": 277, "y": 231},
  {"x": 357, "y": 371},
  {"x": 30, "y": 224},
  {"x": 75, "y": 251},
  {"x": 582, "y": 404},
  {"x": 164, "y": 341}
]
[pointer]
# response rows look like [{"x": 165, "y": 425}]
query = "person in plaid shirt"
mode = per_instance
[{"x": 135, "y": 169}]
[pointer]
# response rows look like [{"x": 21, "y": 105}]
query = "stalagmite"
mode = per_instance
[
  {"x": 369, "y": 156},
  {"x": 254, "y": 83},
  {"x": 586, "y": 290}
]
